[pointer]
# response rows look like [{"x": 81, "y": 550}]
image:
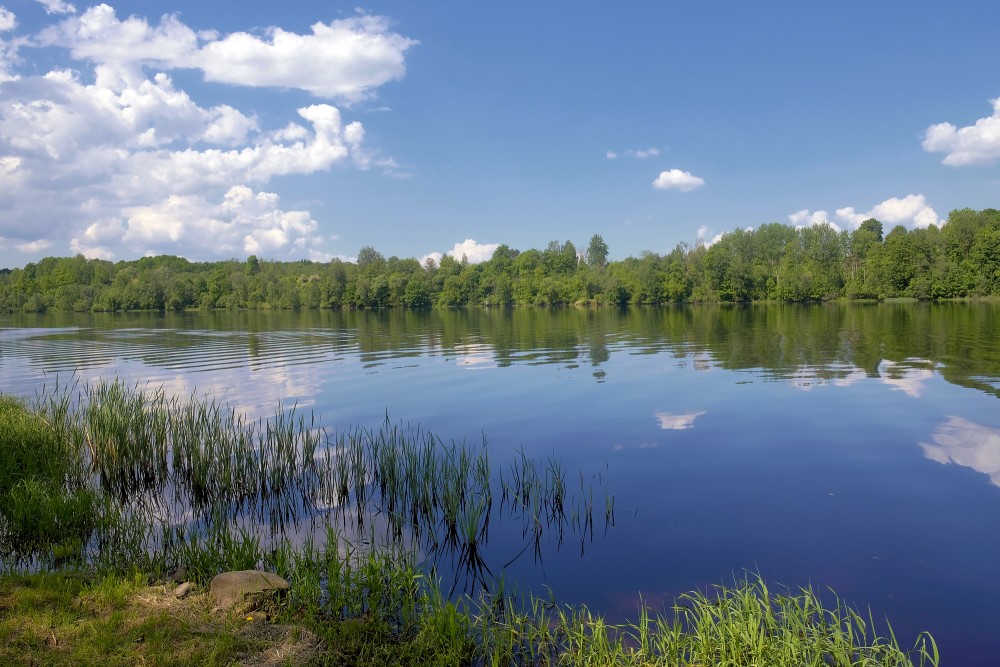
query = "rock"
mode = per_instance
[
  {"x": 230, "y": 588},
  {"x": 179, "y": 575},
  {"x": 183, "y": 590}
]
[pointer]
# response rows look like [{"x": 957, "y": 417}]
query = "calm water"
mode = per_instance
[{"x": 856, "y": 447}]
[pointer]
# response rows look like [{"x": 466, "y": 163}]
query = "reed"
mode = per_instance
[{"x": 746, "y": 623}]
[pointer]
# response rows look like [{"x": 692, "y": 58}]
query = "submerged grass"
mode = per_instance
[{"x": 108, "y": 488}]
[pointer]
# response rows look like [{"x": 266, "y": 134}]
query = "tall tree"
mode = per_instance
[{"x": 597, "y": 252}]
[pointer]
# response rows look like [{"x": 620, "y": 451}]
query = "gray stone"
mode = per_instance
[
  {"x": 183, "y": 590},
  {"x": 230, "y": 588}
]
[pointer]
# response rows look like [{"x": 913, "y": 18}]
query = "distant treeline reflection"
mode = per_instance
[
  {"x": 773, "y": 262},
  {"x": 827, "y": 342}
]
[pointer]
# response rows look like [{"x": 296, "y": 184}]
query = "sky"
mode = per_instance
[{"x": 308, "y": 129}]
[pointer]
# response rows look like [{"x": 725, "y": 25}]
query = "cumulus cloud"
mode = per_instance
[
  {"x": 116, "y": 158},
  {"x": 99, "y": 36},
  {"x": 806, "y": 218},
  {"x": 433, "y": 256},
  {"x": 675, "y": 179},
  {"x": 57, "y": 7},
  {"x": 911, "y": 210},
  {"x": 703, "y": 236},
  {"x": 640, "y": 154},
  {"x": 346, "y": 60},
  {"x": 473, "y": 251},
  {"x": 970, "y": 145},
  {"x": 8, "y": 50},
  {"x": 34, "y": 246},
  {"x": 243, "y": 222},
  {"x": 7, "y": 20}
]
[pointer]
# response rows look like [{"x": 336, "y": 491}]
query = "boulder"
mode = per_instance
[{"x": 230, "y": 588}]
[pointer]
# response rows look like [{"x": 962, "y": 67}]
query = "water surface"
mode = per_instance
[{"x": 849, "y": 446}]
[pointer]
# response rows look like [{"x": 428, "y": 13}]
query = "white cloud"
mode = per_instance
[
  {"x": 806, "y": 218},
  {"x": 672, "y": 422},
  {"x": 91, "y": 251},
  {"x": 470, "y": 249},
  {"x": 703, "y": 233},
  {"x": 436, "y": 256},
  {"x": 966, "y": 443},
  {"x": 911, "y": 210},
  {"x": 849, "y": 215},
  {"x": 243, "y": 222},
  {"x": 57, "y": 7},
  {"x": 970, "y": 145},
  {"x": 8, "y": 50},
  {"x": 473, "y": 251},
  {"x": 347, "y": 59},
  {"x": 35, "y": 246},
  {"x": 98, "y": 36},
  {"x": 640, "y": 153},
  {"x": 7, "y": 19},
  {"x": 11, "y": 174},
  {"x": 115, "y": 159},
  {"x": 677, "y": 179},
  {"x": 6, "y": 61}
]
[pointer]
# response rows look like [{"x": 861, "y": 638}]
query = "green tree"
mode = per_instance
[
  {"x": 597, "y": 252},
  {"x": 370, "y": 258}
]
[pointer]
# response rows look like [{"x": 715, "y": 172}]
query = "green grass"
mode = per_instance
[
  {"x": 106, "y": 490},
  {"x": 64, "y": 619},
  {"x": 69, "y": 619}
]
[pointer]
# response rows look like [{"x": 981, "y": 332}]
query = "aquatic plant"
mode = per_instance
[{"x": 182, "y": 479}]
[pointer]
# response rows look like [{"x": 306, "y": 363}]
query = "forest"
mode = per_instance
[{"x": 774, "y": 262}]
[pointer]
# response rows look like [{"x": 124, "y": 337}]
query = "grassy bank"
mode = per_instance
[{"x": 105, "y": 493}]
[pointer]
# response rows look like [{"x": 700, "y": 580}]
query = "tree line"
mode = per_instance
[{"x": 773, "y": 262}]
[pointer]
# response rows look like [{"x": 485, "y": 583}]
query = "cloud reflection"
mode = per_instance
[
  {"x": 672, "y": 422},
  {"x": 966, "y": 444},
  {"x": 475, "y": 355},
  {"x": 908, "y": 375},
  {"x": 807, "y": 378}
]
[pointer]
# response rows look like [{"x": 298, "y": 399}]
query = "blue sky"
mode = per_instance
[{"x": 308, "y": 129}]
